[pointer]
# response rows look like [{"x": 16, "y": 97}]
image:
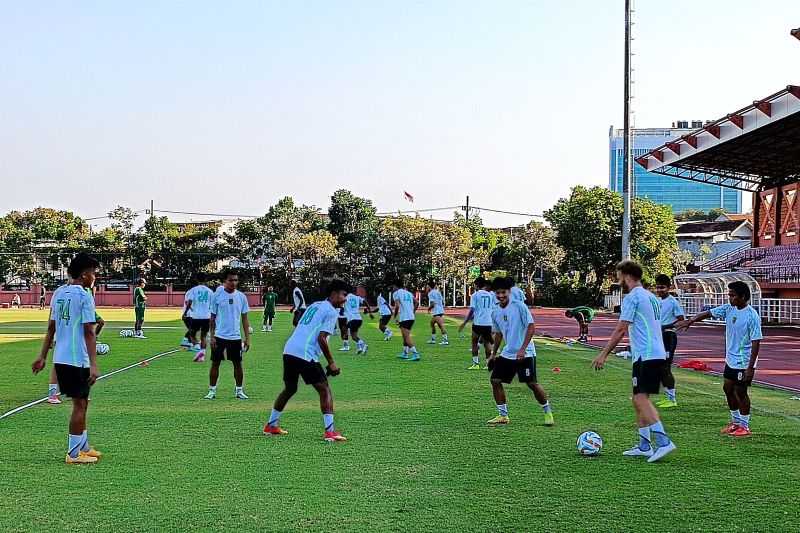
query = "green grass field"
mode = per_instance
[{"x": 420, "y": 456}]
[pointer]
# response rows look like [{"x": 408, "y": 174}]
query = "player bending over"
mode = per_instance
[
  {"x": 405, "y": 308},
  {"x": 386, "y": 316},
  {"x": 742, "y": 343},
  {"x": 301, "y": 358},
  {"x": 228, "y": 318},
  {"x": 584, "y": 316},
  {"x": 481, "y": 306},
  {"x": 199, "y": 300},
  {"x": 671, "y": 314},
  {"x": 436, "y": 309},
  {"x": 513, "y": 322},
  {"x": 269, "y": 299},
  {"x": 352, "y": 313},
  {"x": 72, "y": 325},
  {"x": 139, "y": 307}
]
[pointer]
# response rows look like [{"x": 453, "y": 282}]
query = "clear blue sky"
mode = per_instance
[{"x": 211, "y": 106}]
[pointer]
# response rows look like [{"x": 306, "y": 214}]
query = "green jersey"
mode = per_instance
[
  {"x": 97, "y": 317},
  {"x": 139, "y": 298},
  {"x": 269, "y": 301},
  {"x": 587, "y": 312}
]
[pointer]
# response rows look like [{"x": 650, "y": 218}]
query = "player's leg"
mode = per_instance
[
  {"x": 654, "y": 443},
  {"x": 728, "y": 387},
  {"x": 326, "y": 406},
  {"x": 52, "y": 387},
  {"x": 264, "y": 321},
  {"x": 291, "y": 373},
  {"x": 440, "y": 323},
  {"x": 499, "y": 394},
  {"x": 186, "y": 341},
  {"x": 432, "y": 340},
  {"x": 743, "y": 398},
  {"x": 234, "y": 354},
  {"x": 217, "y": 356},
  {"x": 270, "y": 318},
  {"x": 77, "y": 427},
  {"x": 355, "y": 327},
  {"x": 75, "y": 383},
  {"x": 670, "y": 344},
  {"x": 476, "y": 360},
  {"x": 526, "y": 373},
  {"x": 344, "y": 333},
  {"x": 412, "y": 347}
]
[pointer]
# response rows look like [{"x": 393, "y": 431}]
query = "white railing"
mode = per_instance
[{"x": 771, "y": 310}]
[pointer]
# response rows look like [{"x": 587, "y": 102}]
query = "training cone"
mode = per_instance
[
  {"x": 144, "y": 363},
  {"x": 557, "y": 370}
]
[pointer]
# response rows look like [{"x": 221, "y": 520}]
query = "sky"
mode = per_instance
[{"x": 226, "y": 107}]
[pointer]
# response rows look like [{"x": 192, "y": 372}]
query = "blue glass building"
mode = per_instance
[{"x": 677, "y": 193}]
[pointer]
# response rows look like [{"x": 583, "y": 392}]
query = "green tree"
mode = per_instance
[
  {"x": 354, "y": 223},
  {"x": 532, "y": 248}
]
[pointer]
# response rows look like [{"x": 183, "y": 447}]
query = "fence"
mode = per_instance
[{"x": 784, "y": 311}]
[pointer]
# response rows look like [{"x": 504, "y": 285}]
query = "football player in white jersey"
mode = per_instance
[
  {"x": 640, "y": 319},
  {"x": 386, "y": 316},
  {"x": 671, "y": 314},
  {"x": 481, "y": 305},
  {"x": 405, "y": 307},
  {"x": 198, "y": 301},
  {"x": 352, "y": 306},
  {"x": 436, "y": 309}
]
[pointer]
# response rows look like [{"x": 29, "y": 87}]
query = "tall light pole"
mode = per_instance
[{"x": 627, "y": 170}]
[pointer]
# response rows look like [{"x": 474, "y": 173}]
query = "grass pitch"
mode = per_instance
[{"x": 420, "y": 456}]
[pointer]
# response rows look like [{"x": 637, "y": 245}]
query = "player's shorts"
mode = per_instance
[
  {"x": 438, "y": 315},
  {"x": 407, "y": 324},
  {"x": 295, "y": 367},
  {"x": 670, "y": 343},
  {"x": 187, "y": 321},
  {"x": 505, "y": 369},
  {"x": 483, "y": 333},
  {"x": 200, "y": 324},
  {"x": 230, "y": 348},
  {"x": 354, "y": 325},
  {"x": 269, "y": 313},
  {"x": 73, "y": 381},
  {"x": 737, "y": 375},
  {"x": 647, "y": 376},
  {"x": 139, "y": 311},
  {"x": 297, "y": 316},
  {"x": 41, "y": 301},
  {"x": 385, "y": 320}
]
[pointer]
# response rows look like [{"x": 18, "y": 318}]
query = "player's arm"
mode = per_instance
[
  {"x": 467, "y": 318},
  {"x": 90, "y": 337},
  {"x": 751, "y": 367},
  {"x": 682, "y": 325},
  {"x": 100, "y": 325},
  {"x": 322, "y": 339},
  {"x": 39, "y": 362},
  {"x": 395, "y": 309},
  {"x": 186, "y": 306},
  {"x": 528, "y": 336},
  {"x": 212, "y": 328},
  {"x": 616, "y": 337},
  {"x": 246, "y": 327},
  {"x": 498, "y": 340}
]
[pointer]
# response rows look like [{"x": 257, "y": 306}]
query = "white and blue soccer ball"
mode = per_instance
[
  {"x": 590, "y": 443},
  {"x": 102, "y": 348},
  {"x": 126, "y": 333}
]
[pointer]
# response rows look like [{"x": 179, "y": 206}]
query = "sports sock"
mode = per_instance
[
  {"x": 85, "y": 441},
  {"x": 274, "y": 418},
  {"x": 212, "y": 388},
  {"x": 735, "y": 416},
  {"x": 644, "y": 438},
  {"x": 502, "y": 408},
  {"x": 327, "y": 420},
  {"x": 546, "y": 407},
  {"x": 52, "y": 389},
  {"x": 74, "y": 445},
  {"x": 433, "y": 337},
  {"x": 237, "y": 390},
  {"x": 745, "y": 421},
  {"x": 476, "y": 360},
  {"x": 659, "y": 433},
  {"x": 444, "y": 337},
  {"x": 405, "y": 350},
  {"x": 346, "y": 343},
  {"x": 413, "y": 349},
  {"x": 670, "y": 394}
]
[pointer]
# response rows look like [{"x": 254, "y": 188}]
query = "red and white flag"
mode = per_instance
[{"x": 408, "y": 197}]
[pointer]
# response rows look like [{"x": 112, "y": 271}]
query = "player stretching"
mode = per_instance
[
  {"x": 405, "y": 307},
  {"x": 298, "y": 303},
  {"x": 742, "y": 342},
  {"x": 386, "y": 315},
  {"x": 480, "y": 312},
  {"x": 72, "y": 316},
  {"x": 352, "y": 306},
  {"x": 512, "y": 322},
  {"x": 584, "y": 316},
  {"x": 436, "y": 309},
  {"x": 198, "y": 300},
  {"x": 269, "y": 299},
  {"x": 640, "y": 317},
  {"x": 301, "y": 358},
  {"x": 671, "y": 314},
  {"x": 139, "y": 306},
  {"x": 228, "y": 318}
]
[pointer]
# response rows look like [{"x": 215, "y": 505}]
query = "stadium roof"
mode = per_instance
[{"x": 750, "y": 149}]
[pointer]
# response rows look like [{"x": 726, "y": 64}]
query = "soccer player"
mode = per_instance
[
  {"x": 199, "y": 300},
  {"x": 743, "y": 341},
  {"x": 72, "y": 325},
  {"x": 301, "y": 358},
  {"x": 671, "y": 314},
  {"x": 139, "y": 306},
  {"x": 584, "y": 316},
  {"x": 512, "y": 322},
  {"x": 342, "y": 324},
  {"x": 352, "y": 306},
  {"x": 228, "y": 318},
  {"x": 517, "y": 294},
  {"x": 640, "y": 318},
  {"x": 386, "y": 315},
  {"x": 436, "y": 309},
  {"x": 42, "y": 296},
  {"x": 187, "y": 341},
  {"x": 298, "y": 303},
  {"x": 405, "y": 307},
  {"x": 269, "y": 299},
  {"x": 481, "y": 306}
]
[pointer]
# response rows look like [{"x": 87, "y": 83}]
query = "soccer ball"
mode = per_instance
[
  {"x": 589, "y": 443},
  {"x": 103, "y": 349},
  {"x": 126, "y": 333}
]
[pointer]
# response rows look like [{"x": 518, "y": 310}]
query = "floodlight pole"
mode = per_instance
[{"x": 627, "y": 174}]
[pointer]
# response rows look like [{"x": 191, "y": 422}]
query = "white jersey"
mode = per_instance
[
  {"x": 228, "y": 308},
  {"x": 304, "y": 344},
  {"x": 742, "y": 327},
  {"x": 383, "y": 306},
  {"x": 670, "y": 310},
  {"x": 200, "y": 296},
  {"x": 352, "y": 307},
  {"x": 406, "y": 302},
  {"x": 436, "y": 301},
  {"x": 512, "y": 322},
  {"x": 299, "y": 300},
  {"x": 517, "y": 294},
  {"x": 482, "y": 304},
  {"x": 641, "y": 308},
  {"x": 71, "y": 307}
]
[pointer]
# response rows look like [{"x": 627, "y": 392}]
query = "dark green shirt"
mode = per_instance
[
  {"x": 587, "y": 312},
  {"x": 269, "y": 301},
  {"x": 139, "y": 297}
]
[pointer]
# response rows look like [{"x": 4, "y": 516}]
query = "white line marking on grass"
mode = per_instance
[{"x": 104, "y": 376}]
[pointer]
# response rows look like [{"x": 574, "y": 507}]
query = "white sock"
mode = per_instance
[
  {"x": 212, "y": 388},
  {"x": 237, "y": 389},
  {"x": 670, "y": 394},
  {"x": 744, "y": 421},
  {"x": 274, "y": 418},
  {"x": 74, "y": 445},
  {"x": 52, "y": 389},
  {"x": 735, "y": 416},
  {"x": 476, "y": 360},
  {"x": 327, "y": 420},
  {"x": 405, "y": 350},
  {"x": 444, "y": 337},
  {"x": 502, "y": 408},
  {"x": 85, "y": 441}
]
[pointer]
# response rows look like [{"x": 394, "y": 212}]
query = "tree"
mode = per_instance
[
  {"x": 532, "y": 248},
  {"x": 354, "y": 223}
]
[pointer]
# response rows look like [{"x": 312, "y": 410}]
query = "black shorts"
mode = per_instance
[
  {"x": 505, "y": 369},
  {"x": 73, "y": 381},
  {"x": 407, "y": 324},
  {"x": 230, "y": 348},
  {"x": 647, "y": 376},
  {"x": 438, "y": 315},
  {"x": 483, "y": 333},
  {"x": 385, "y": 320},
  {"x": 294, "y": 367},
  {"x": 354, "y": 325},
  {"x": 670, "y": 343},
  {"x": 297, "y": 316},
  {"x": 187, "y": 321},
  {"x": 737, "y": 375},
  {"x": 200, "y": 324},
  {"x": 269, "y": 313}
]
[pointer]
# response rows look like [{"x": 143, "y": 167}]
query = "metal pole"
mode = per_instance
[
  {"x": 627, "y": 175},
  {"x": 466, "y": 210}
]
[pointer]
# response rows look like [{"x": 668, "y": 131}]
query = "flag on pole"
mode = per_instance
[{"x": 408, "y": 197}]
